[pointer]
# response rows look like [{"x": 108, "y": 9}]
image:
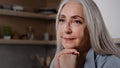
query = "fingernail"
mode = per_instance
[{"x": 76, "y": 53}]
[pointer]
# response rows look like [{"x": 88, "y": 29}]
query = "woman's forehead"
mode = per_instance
[{"x": 72, "y": 8}]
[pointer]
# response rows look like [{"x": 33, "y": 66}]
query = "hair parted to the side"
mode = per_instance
[{"x": 100, "y": 39}]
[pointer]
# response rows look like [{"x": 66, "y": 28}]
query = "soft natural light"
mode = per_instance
[{"x": 111, "y": 14}]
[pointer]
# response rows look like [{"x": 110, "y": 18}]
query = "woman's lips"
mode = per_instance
[{"x": 69, "y": 39}]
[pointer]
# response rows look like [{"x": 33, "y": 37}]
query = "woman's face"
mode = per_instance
[{"x": 72, "y": 27}]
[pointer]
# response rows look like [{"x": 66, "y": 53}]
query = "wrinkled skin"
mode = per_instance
[{"x": 73, "y": 36}]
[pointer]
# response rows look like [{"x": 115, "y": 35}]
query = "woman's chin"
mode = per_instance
[{"x": 68, "y": 47}]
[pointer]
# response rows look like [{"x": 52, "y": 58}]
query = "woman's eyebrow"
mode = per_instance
[
  {"x": 62, "y": 16},
  {"x": 74, "y": 17},
  {"x": 77, "y": 16}
]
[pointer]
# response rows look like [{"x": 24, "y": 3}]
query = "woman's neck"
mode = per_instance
[{"x": 82, "y": 57}]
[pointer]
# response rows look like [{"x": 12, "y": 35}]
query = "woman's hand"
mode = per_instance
[{"x": 66, "y": 58}]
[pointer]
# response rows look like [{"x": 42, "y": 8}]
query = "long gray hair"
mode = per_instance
[{"x": 100, "y": 39}]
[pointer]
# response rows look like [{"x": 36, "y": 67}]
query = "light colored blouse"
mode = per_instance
[{"x": 94, "y": 60}]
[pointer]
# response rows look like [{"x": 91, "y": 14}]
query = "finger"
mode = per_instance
[
  {"x": 68, "y": 51},
  {"x": 57, "y": 64},
  {"x": 64, "y": 51}
]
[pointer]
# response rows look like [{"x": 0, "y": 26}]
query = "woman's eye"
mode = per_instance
[
  {"x": 61, "y": 20},
  {"x": 78, "y": 22}
]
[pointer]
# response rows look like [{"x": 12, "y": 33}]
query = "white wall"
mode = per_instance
[{"x": 111, "y": 13}]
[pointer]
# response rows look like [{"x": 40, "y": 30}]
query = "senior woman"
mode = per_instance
[{"x": 82, "y": 38}]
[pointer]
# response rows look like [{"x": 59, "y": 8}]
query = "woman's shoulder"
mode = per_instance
[
  {"x": 113, "y": 58},
  {"x": 108, "y": 61},
  {"x": 95, "y": 60}
]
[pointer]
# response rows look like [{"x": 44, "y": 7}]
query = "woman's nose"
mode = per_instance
[{"x": 68, "y": 29}]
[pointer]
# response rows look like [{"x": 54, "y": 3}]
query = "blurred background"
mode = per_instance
[
  {"x": 27, "y": 33},
  {"x": 110, "y": 11}
]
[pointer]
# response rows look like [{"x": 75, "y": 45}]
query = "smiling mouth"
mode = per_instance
[{"x": 69, "y": 39}]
